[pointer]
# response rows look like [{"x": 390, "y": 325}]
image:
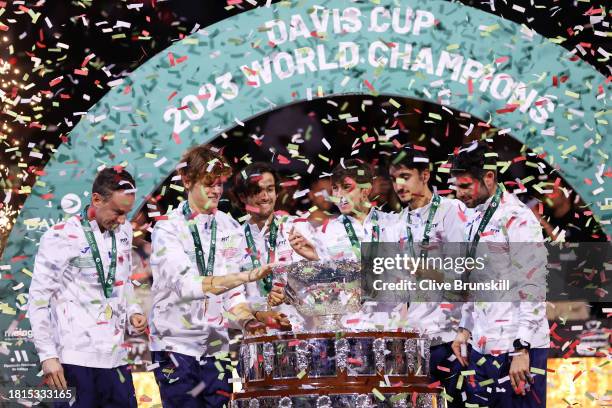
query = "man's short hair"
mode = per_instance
[
  {"x": 411, "y": 158},
  {"x": 355, "y": 169},
  {"x": 201, "y": 163},
  {"x": 113, "y": 179},
  {"x": 473, "y": 159},
  {"x": 247, "y": 181}
]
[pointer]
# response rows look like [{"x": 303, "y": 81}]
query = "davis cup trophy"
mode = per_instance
[{"x": 329, "y": 364}]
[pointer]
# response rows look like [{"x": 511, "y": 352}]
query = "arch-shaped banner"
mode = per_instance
[{"x": 218, "y": 77}]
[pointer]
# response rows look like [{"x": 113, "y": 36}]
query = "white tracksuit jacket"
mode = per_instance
[
  {"x": 71, "y": 318},
  {"x": 183, "y": 319},
  {"x": 437, "y": 320},
  {"x": 284, "y": 253},
  {"x": 332, "y": 242},
  {"x": 495, "y": 325}
]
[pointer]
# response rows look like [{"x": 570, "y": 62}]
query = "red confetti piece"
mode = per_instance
[
  {"x": 283, "y": 160},
  {"x": 251, "y": 208},
  {"x": 56, "y": 81},
  {"x": 324, "y": 228},
  {"x": 511, "y": 107},
  {"x": 176, "y": 138},
  {"x": 224, "y": 393},
  {"x": 250, "y": 71},
  {"x": 138, "y": 276},
  {"x": 462, "y": 216},
  {"x": 482, "y": 341},
  {"x": 531, "y": 272},
  {"x": 355, "y": 361}
]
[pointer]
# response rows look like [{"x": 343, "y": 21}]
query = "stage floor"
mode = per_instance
[{"x": 581, "y": 382}]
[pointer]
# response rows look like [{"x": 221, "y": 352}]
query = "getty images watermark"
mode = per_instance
[
  {"x": 426, "y": 274},
  {"x": 489, "y": 272}
]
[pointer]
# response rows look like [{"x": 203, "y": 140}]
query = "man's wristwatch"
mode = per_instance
[{"x": 521, "y": 345}]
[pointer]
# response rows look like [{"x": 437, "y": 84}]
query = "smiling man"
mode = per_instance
[
  {"x": 341, "y": 237},
  {"x": 268, "y": 234},
  {"x": 81, "y": 298},
  {"x": 198, "y": 291}
]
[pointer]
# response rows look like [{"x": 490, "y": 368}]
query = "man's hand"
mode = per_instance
[
  {"x": 139, "y": 322},
  {"x": 302, "y": 246},
  {"x": 261, "y": 272},
  {"x": 255, "y": 327},
  {"x": 519, "y": 372},
  {"x": 274, "y": 320},
  {"x": 276, "y": 296},
  {"x": 460, "y": 346},
  {"x": 54, "y": 374}
]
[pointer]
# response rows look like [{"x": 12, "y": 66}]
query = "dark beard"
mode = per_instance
[{"x": 482, "y": 199}]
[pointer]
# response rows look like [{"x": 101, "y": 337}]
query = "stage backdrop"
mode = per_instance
[{"x": 259, "y": 60}]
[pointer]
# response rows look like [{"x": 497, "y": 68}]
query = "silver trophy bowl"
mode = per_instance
[{"x": 322, "y": 290}]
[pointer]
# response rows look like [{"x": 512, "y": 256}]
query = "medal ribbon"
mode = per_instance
[
  {"x": 265, "y": 283},
  {"x": 203, "y": 268},
  {"x": 435, "y": 204},
  {"x": 109, "y": 282},
  {"x": 471, "y": 250},
  {"x": 350, "y": 231}
]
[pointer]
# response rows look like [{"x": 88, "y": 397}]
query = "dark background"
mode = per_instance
[{"x": 30, "y": 58}]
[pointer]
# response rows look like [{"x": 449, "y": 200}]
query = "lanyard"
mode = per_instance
[
  {"x": 471, "y": 250},
  {"x": 350, "y": 231},
  {"x": 265, "y": 283},
  {"x": 203, "y": 269},
  {"x": 109, "y": 282},
  {"x": 435, "y": 203}
]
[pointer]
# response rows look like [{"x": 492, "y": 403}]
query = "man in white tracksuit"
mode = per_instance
[
  {"x": 341, "y": 237},
  {"x": 81, "y": 298},
  {"x": 428, "y": 218},
  {"x": 268, "y": 235},
  {"x": 198, "y": 291},
  {"x": 509, "y": 333}
]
